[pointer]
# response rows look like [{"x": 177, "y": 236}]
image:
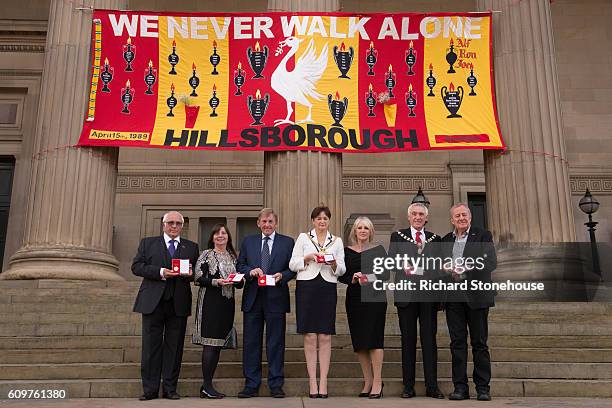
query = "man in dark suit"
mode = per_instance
[
  {"x": 164, "y": 299},
  {"x": 263, "y": 254},
  {"x": 415, "y": 242},
  {"x": 474, "y": 249}
]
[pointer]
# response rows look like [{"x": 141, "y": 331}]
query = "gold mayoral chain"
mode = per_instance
[
  {"x": 323, "y": 248},
  {"x": 419, "y": 245}
]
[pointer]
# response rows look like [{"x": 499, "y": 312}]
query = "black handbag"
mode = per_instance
[{"x": 231, "y": 341}]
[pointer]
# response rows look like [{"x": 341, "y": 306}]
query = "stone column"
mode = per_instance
[
  {"x": 295, "y": 182},
  {"x": 528, "y": 191},
  {"x": 69, "y": 216}
]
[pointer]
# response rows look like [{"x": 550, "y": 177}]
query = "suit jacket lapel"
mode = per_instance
[
  {"x": 257, "y": 245},
  {"x": 164, "y": 250},
  {"x": 179, "y": 247},
  {"x": 473, "y": 235},
  {"x": 274, "y": 249}
]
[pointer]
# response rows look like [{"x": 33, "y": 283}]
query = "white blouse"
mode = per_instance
[{"x": 307, "y": 244}]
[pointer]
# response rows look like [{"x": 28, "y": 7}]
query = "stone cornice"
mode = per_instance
[
  {"x": 597, "y": 184},
  {"x": 158, "y": 183},
  {"x": 351, "y": 184},
  {"x": 22, "y": 48},
  {"x": 395, "y": 184}
]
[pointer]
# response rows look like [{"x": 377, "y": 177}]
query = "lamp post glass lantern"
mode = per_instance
[
  {"x": 589, "y": 205},
  {"x": 420, "y": 198}
]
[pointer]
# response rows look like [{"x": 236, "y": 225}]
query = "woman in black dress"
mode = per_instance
[
  {"x": 366, "y": 307},
  {"x": 214, "y": 328}
]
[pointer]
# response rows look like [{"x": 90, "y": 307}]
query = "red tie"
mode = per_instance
[{"x": 418, "y": 238}]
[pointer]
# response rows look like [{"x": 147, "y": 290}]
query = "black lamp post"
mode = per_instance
[
  {"x": 420, "y": 198},
  {"x": 589, "y": 205}
]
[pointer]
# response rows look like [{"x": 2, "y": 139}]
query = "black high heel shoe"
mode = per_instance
[
  {"x": 365, "y": 394},
  {"x": 379, "y": 395}
]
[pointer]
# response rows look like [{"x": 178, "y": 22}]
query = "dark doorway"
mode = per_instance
[
  {"x": 478, "y": 206},
  {"x": 7, "y": 167}
]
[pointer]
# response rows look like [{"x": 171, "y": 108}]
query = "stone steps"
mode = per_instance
[
  {"x": 192, "y": 354},
  {"x": 84, "y": 338},
  {"x": 345, "y": 369},
  {"x": 543, "y": 342},
  {"x": 131, "y": 388},
  {"x": 131, "y": 327}
]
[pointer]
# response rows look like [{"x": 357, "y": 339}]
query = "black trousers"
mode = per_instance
[
  {"x": 427, "y": 315},
  {"x": 253, "y": 326},
  {"x": 460, "y": 318},
  {"x": 163, "y": 336}
]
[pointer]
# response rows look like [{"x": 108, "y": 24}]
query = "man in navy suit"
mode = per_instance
[
  {"x": 263, "y": 254},
  {"x": 469, "y": 312},
  {"x": 164, "y": 299}
]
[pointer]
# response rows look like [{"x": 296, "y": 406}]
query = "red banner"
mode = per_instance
[{"x": 301, "y": 81}]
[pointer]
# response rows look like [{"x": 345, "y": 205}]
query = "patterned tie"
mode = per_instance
[
  {"x": 172, "y": 248},
  {"x": 265, "y": 256},
  {"x": 419, "y": 241}
]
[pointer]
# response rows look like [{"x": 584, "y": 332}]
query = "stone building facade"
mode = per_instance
[{"x": 553, "y": 81}]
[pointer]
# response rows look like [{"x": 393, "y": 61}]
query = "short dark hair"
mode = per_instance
[
  {"x": 211, "y": 243},
  {"x": 322, "y": 208}
]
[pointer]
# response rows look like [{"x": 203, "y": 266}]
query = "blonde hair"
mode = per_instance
[{"x": 369, "y": 225}]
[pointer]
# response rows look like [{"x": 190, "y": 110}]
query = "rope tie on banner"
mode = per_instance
[
  {"x": 536, "y": 153},
  {"x": 43, "y": 153}
]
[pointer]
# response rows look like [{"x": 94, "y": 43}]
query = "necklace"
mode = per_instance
[{"x": 322, "y": 248}]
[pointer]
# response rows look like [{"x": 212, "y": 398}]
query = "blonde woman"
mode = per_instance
[
  {"x": 318, "y": 260},
  {"x": 366, "y": 308}
]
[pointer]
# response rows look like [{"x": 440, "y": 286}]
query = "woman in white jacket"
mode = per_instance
[{"x": 318, "y": 260}]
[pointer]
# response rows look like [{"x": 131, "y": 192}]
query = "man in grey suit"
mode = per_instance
[{"x": 164, "y": 299}]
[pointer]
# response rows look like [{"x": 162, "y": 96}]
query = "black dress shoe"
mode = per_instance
[
  {"x": 435, "y": 393},
  {"x": 458, "y": 395},
  {"x": 408, "y": 392},
  {"x": 483, "y": 396},
  {"x": 148, "y": 397},
  {"x": 363, "y": 395},
  {"x": 248, "y": 392},
  {"x": 210, "y": 393},
  {"x": 173, "y": 395},
  {"x": 313, "y": 396},
  {"x": 323, "y": 395},
  {"x": 277, "y": 392}
]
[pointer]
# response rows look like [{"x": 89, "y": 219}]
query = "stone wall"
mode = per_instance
[{"x": 230, "y": 183}]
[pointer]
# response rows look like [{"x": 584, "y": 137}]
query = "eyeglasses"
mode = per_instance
[{"x": 173, "y": 223}]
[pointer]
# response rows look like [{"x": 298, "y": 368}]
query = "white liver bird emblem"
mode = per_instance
[{"x": 298, "y": 85}]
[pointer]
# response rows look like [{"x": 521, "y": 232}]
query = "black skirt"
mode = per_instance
[
  {"x": 366, "y": 308},
  {"x": 315, "y": 306},
  {"x": 217, "y": 314}
]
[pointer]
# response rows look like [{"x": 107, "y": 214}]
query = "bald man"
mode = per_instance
[{"x": 164, "y": 299}]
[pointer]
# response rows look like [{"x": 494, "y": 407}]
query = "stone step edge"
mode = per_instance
[
  {"x": 296, "y": 387},
  {"x": 239, "y": 363}
]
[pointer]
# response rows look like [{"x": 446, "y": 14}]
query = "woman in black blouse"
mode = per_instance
[{"x": 366, "y": 308}]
